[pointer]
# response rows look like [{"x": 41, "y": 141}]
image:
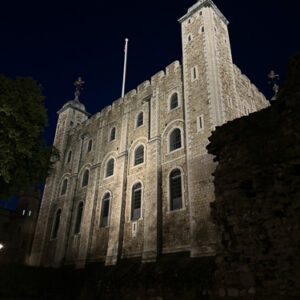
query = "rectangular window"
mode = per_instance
[
  {"x": 200, "y": 123},
  {"x": 105, "y": 210},
  {"x": 175, "y": 190},
  {"x": 136, "y": 204},
  {"x": 194, "y": 73}
]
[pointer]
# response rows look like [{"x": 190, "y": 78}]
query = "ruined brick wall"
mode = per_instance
[{"x": 257, "y": 206}]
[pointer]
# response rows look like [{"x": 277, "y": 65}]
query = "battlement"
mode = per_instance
[
  {"x": 144, "y": 85},
  {"x": 200, "y": 4},
  {"x": 157, "y": 77},
  {"x": 172, "y": 68},
  {"x": 249, "y": 85},
  {"x": 141, "y": 88},
  {"x": 117, "y": 103}
]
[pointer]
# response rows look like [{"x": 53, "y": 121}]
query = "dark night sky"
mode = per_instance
[{"x": 55, "y": 42}]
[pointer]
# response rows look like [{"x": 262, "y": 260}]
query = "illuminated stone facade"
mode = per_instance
[{"x": 146, "y": 214}]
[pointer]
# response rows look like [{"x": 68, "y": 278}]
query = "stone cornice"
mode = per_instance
[{"x": 197, "y": 6}]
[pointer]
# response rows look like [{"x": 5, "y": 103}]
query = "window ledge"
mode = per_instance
[
  {"x": 174, "y": 151},
  {"x": 137, "y": 127},
  {"x": 132, "y": 221},
  {"x": 173, "y": 109},
  {"x": 139, "y": 165},
  {"x": 175, "y": 210}
]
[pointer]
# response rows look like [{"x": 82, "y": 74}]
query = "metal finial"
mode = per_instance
[
  {"x": 78, "y": 87},
  {"x": 274, "y": 78}
]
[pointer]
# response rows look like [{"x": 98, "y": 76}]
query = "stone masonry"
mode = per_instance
[
  {"x": 257, "y": 198},
  {"x": 210, "y": 91}
]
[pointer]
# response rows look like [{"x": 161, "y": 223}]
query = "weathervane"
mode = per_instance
[
  {"x": 78, "y": 87},
  {"x": 274, "y": 78}
]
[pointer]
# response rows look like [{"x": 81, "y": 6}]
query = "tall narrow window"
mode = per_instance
[
  {"x": 110, "y": 167},
  {"x": 174, "y": 101},
  {"x": 175, "y": 190},
  {"x": 78, "y": 218},
  {"x": 175, "y": 139},
  {"x": 139, "y": 155},
  {"x": 202, "y": 29},
  {"x": 64, "y": 187},
  {"x": 56, "y": 224},
  {"x": 85, "y": 178},
  {"x": 136, "y": 201},
  {"x": 112, "y": 134},
  {"x": 104, "y": 210},
  {"x": 200, "y": 124},
  {"x": 69, "y": 156},
  {"x": 140, "y": 119},
  {"x": 194, "y": 73},
  {"x": 90, "y": 146}
]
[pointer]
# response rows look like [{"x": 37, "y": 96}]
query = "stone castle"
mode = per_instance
[{"x": 135, "y": 180}]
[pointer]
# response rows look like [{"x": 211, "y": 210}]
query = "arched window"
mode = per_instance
[
  {"x": 85, "y": 178},
  {"x": 112, "y": 134},
  {"x": 64, "y": 187},
  {"x": 56, "y": 224},
  {"x": 140, "y": 119},
  {"x": 78, "y": 218},
  {"x": 174, "y": 101},
  {"x": 139, "y": 155},
  {"x": 136, "y": 198},
  {"x": 110, "y": 167},
  {"x": 90, "y": 144},
  {"x": 175, "y": 190},
  {"x": 175, "y": 139},
  {"x": 69, "y": 156},
  {"x": 104, "y": 210}
]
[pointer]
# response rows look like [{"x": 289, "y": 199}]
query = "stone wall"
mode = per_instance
[
  {"x": 17, "y": 228},
  {"x": 257, "y": 206},
  {"x": 174, "y": 276},
  {"x": 203, "y": 83}
]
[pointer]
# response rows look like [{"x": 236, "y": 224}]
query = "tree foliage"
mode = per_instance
[{"x": 24, "y": 156}]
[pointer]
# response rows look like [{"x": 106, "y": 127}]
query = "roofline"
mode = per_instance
[
  {"x": 200, "y": 4},
  {"x": 69, "y": 105}
]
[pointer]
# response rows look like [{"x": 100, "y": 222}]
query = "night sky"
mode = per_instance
[{"x": 55, "y": 42}]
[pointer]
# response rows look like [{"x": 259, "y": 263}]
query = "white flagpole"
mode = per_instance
[{"x": 125, "y": 63}]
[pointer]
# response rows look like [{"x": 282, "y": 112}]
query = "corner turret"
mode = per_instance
[{"x": 70, "y": 115}]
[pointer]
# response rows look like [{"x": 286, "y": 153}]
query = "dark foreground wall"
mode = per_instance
[
  {"x": 257, "y": 207},
  {"x": 173, "y": 277}
]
